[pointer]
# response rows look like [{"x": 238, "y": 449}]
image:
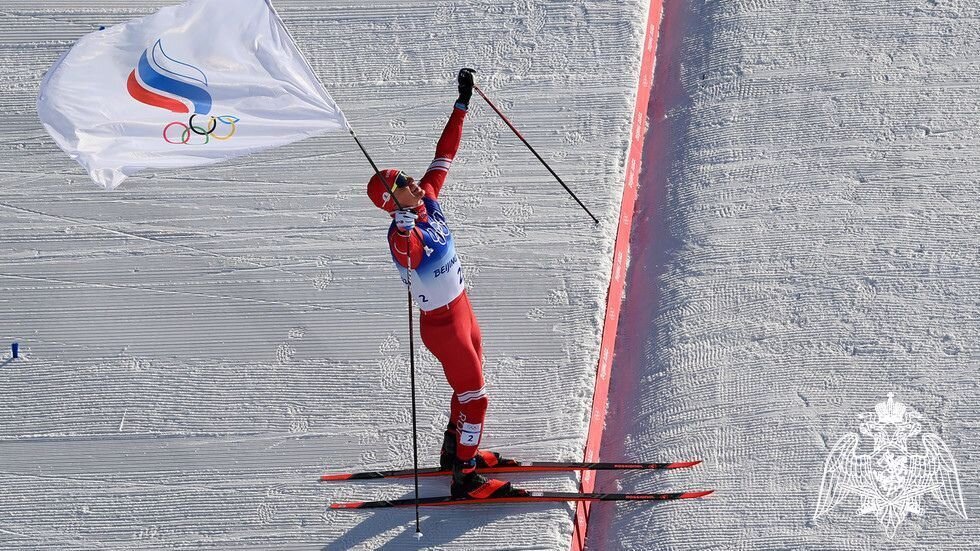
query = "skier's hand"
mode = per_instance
[
  {"x": 465, "y": 82},
  {"x": 405, "y": 220}
]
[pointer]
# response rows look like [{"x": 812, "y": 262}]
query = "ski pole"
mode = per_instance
[
  {"x": 411, "y": 339},
  {"x": 516, "y": 132}
]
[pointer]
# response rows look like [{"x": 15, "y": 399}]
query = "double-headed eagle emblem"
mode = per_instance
[{"x": 890, "y": 481}]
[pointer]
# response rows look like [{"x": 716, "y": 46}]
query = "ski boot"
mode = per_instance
[
  {"x": 467, "y": 483},
  {"x": 484, "y": 458}
]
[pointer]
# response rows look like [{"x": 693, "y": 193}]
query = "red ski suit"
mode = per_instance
[{"x": 447, "y": 323}]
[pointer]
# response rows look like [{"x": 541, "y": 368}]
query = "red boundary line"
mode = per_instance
[{"x": 618, "y": 279}]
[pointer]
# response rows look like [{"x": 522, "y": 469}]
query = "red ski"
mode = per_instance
[
  {"x": 509, "y": 466},
  {"x": 521, "y": 497}
]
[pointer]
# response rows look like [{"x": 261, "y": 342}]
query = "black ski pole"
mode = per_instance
[
  {"x": 516, "y": 132},
  {"x": 411, "y": 338}
]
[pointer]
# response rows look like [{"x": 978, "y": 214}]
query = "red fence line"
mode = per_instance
[{"x": 618, "y": 280}]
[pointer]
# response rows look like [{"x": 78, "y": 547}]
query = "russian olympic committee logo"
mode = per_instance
[
  {"x": 162, "y": 81},
  {"x": 891, "y": 481}
]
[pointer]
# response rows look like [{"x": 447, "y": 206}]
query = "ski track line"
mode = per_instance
[
  {"x": 142, "y": 237},
  {"x": 200, "y": 295},
  {"x": 115, "y": 481}
]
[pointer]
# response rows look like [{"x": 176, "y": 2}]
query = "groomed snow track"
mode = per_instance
[{"x": 199, "y": 346}]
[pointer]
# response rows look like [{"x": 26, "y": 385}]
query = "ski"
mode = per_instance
[
  {"x": 523, "y": 497},
  {"x": 510, "y": 466}
]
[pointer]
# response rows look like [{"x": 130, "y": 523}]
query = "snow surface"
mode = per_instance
[
  {"x": 199, "y": 346},
  {"x": 806, "y": 241}
]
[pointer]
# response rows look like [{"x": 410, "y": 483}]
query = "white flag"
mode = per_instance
[{"x": 192, "y": 84}]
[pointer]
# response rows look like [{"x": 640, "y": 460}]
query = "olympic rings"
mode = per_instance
[
  {"x": 189, "y": 130},
  {"x": 230, "y": 121},
  {"x": 182, "y": 140},
  {"x": 185, "y": 136},
  {"x": 213, "y": 124}
]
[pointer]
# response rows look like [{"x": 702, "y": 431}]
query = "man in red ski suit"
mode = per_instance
[{"x": 423, "y": 249}]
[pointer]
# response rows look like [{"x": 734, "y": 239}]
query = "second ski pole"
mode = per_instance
[{"x": 518, "y": 134}]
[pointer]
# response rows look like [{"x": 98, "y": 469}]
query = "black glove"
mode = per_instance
[{"x": 465, "y": 80}]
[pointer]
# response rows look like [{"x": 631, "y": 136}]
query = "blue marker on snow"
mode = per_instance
[{"x": 14, "y": 347}]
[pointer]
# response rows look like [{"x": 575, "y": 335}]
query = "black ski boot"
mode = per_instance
[
  {"x": 468, "y": 483},
  {"x": 484, "y": 458},
  {"x": 448, "y": 452}
]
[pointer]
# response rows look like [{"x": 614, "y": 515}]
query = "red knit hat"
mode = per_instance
[{"x": 380, "y": 193}]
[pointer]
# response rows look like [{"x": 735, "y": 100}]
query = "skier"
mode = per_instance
[{"x": 423, "y": 248}]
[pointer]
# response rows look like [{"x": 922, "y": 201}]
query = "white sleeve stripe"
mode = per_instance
[{"x": 439, "y": 164}]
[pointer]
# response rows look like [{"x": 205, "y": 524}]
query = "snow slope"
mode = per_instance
[
  {"x": 200, "y": 345},
  {"x": 806, "y": 242}
]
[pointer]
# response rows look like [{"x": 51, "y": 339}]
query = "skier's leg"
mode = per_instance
[
  {"x": 450, "y": 339},
  {"x": 470, "y": 390},
  {"x": 485, "y": 458},
  {"x": 476, "y": 335},
  {"x": 447, "y": 453},
  {"x": 453, "y": 411}
]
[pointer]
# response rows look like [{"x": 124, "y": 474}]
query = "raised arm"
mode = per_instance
[{"x": 452, "y": 134}]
